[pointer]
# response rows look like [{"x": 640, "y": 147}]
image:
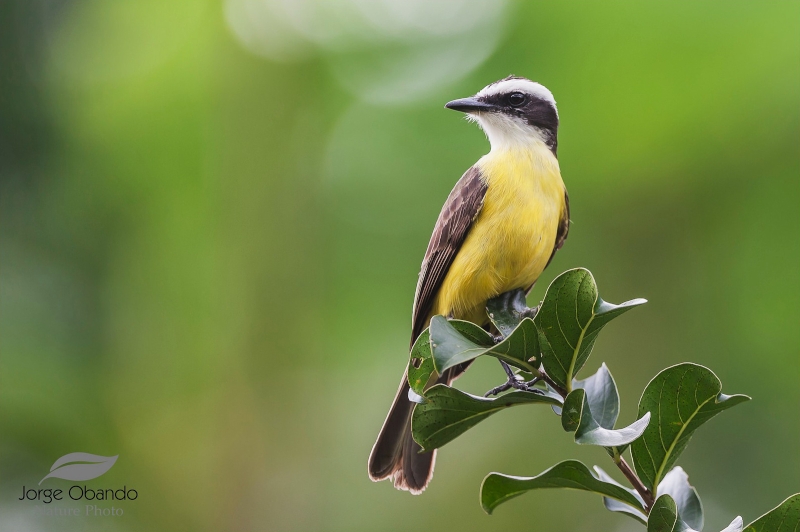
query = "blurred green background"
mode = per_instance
[{"x": 213, "y": 215}]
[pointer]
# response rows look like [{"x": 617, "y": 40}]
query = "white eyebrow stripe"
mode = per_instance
[{"x": 522, "y": 85}]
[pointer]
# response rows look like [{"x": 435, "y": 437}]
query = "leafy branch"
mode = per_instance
[{"x": 541, "y": 351}]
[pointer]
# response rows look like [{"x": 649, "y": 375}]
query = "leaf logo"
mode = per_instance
[{"x": 80, "y": 466}]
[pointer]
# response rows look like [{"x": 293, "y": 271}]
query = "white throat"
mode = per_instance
[{"x": 508, "y": 133}]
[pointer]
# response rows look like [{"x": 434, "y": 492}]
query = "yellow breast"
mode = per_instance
[{"x": 512, "y": 238}]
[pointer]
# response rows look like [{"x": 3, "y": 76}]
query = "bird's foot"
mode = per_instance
[
  {"x": 514, "y": 381},
  {"x": 498, "y": 389}
]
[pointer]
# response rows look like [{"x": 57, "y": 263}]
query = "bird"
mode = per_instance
[{"x": 498, "y": 230}]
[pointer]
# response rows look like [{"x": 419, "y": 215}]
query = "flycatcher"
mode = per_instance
[{"x": 498, "y": 230}]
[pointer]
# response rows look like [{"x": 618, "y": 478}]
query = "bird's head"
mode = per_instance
[{"x": 514, "y": 112}]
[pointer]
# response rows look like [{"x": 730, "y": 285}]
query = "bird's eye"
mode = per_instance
[{"x": 517, "y": 99}]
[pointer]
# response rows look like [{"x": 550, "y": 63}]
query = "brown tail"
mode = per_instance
[{"x": 395, "y": 454}]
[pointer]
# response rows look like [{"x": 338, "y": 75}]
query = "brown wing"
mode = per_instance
[
  {"x": 459, "y": 211},
  {"x": 561, "y": 235},
  {"x": 563, "y": 228}
]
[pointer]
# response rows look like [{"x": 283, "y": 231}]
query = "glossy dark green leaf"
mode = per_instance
[
  {"x": 676, "y": 485},
  {"x": 447, "y": 413},
  {"x": 520, "y": 348},
  {"x": 454, "y": 342},
  {"x": 602, "y": 396},
  {"x": 572, "y": 411},
  {"x": 682, "y": 398},
  {"x": 636, "y": 512},
  {"x": 569, "y": 320},
  {"x": 507, "y": 310},
  {"x": 420, "y": 365},
  {"x": 664, "y": 517},
  {"x": 784, "y": 518},
  {"x": 497, "y": 488},
  {"x": 576, "y": 416}
]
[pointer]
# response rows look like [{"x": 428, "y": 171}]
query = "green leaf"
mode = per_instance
[
  {"x": 637, "y": 512},
  {"x": 682, "y": 398},
  {"x": 454, "y": 342},
  {"x": 602, "y": 395},
  {"x": 447, "y": 413},
  {"x": 576, "y": 416},
  {"x": 572, "y": 411},
  {"x": 497, "y": 488},
  {"x": 664, "y": 517},
  {"x": 507, "y": 310},
  {"x": 676, "y": 485},
  {"x": 420, "y": 364},
  {"x": 569, "y": 320},
  {"x": 784, "y": 518},
  {"x": 520, "y": 348}
]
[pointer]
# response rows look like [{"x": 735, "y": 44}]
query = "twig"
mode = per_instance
[
  {"x": 640, "y": 488},
  {"x": 546, "y": 378}
]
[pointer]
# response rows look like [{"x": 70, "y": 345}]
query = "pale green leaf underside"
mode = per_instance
[
  {"x": 664, "y": 518},
  {"x": 602, "y": 396},
  {"x": 676, "y": 485},
  {"x": 576, "y": 416},
  {"x": 636, "y": 512}
]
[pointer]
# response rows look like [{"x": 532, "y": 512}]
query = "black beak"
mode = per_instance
[{"x": 467, "y": 105}]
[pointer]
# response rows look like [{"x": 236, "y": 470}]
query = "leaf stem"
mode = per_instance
[
  {"x": 640, "y": 488},
  {"x": 550, "y": 382}
]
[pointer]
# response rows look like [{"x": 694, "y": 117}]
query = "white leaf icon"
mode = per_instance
[{"x": 80, "y": 466}]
